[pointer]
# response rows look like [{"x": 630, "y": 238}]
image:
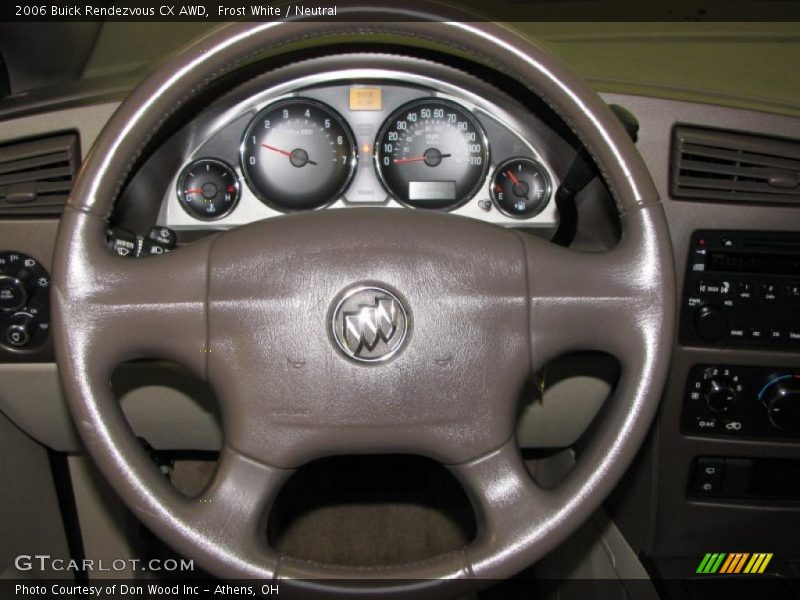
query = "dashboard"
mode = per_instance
[{"x": 335, "y": 139}]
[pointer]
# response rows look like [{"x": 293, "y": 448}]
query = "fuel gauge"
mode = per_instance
[
  {"x": 520, "y": 188},
  {"x": 208, "y": 189}
]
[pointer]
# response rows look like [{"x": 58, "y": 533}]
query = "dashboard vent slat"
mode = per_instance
[
  {"x": 725, "y": 166},
  {"x": 36, "y": 176}
]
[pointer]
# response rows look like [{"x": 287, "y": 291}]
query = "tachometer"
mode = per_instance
[
  {"x": 298, "y": 154},
  {"x": 432, "y": 153}
]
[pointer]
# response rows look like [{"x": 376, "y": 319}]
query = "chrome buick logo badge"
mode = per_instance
[{"x": 369, "y": 323}]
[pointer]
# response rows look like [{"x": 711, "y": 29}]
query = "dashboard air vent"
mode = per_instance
[
  {"x": 36, "y": 176},
  {"x": 718, "y": 165}
]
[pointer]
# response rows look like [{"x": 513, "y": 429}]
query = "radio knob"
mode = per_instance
[
  {"x": 719, "y": 394},
  {"x": 13, "y": 291},
  {"x": 711, "y": 323},
  {"x": 782, "y": 401}
]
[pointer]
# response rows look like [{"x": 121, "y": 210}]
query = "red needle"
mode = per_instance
[
  {"x": 278, "y": 150},
  {"x": 193, "y": 191},
  {"x": 398, "y": 161},
  {"x": 514, "y": 180}
]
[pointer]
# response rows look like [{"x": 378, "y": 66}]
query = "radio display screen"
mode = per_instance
[{"x": 753, "y": 262}]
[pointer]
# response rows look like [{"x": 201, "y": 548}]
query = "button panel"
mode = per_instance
[
  {"x": 24, "y": 301},
  {"x": 745, "y": 402},
  {"x": 742, "y": 289},
  {"x": 715, "y": 478},
  {"x": 707, "y": 479}
]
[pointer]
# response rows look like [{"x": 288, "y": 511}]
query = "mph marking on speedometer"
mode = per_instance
[{"x": 432, "y": 153}]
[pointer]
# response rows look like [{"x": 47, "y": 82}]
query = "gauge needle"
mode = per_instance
[
  {"x": 400, "y": 161},
  {"x": 193, "y": 191},
  {"x": 520, "y": 188},
  {"x": 297, "y": 155},
  {"x": 278, "y": 150}
]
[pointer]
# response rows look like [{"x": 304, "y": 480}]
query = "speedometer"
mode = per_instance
[{"x": 432, "y": 153}]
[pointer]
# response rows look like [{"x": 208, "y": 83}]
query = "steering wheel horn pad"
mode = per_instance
[
  {"x": 250, "y": 311},
  {"x": 272, "y": 287}
]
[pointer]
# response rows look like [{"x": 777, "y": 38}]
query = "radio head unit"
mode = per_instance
[{"x": 742, "y": 288}]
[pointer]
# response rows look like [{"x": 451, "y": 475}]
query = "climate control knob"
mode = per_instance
[
  {"x": 718, "y": 388},
  {"x": 719, "y": 394},
  {"x": 781, "y": 398}
]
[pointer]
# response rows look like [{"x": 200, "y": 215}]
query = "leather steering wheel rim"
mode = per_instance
[{"x": 546, "y": 301}]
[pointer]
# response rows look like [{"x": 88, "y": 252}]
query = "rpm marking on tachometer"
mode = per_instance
[{"x": 298, "y": 154}]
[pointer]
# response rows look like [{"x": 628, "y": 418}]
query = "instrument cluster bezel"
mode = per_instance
[{"x": 510, "y": 131}]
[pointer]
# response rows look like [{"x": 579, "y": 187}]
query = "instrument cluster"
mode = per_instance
[{"x": 360, "y": 143}]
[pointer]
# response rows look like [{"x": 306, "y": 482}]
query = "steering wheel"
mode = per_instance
[{"x": 278, "y": 317}]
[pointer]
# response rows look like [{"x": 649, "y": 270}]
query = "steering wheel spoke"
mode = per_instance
[
  {"x": 127, "y": 309},
  {"x": 506, "y": 500},
  {"x": 594, "y": 301},
  {"x": 233, "y": 510}
]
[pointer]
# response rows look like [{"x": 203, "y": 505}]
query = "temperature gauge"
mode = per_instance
[
  {"x": 520, "y": 188},
  {"x": 208, "y": 189}
]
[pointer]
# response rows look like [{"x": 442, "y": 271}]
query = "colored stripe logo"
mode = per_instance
[{"x": 734, "y": 563}]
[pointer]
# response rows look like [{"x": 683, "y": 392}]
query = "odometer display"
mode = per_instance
[
  {"x": 432, "y": 153},
  {"x": 298, "y": 154}
]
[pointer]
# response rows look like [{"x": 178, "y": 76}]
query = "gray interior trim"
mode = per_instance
[{"x": 31, "y": 520}]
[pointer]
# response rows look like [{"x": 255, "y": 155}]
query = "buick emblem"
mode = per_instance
[{"x": 369, "y": 323}]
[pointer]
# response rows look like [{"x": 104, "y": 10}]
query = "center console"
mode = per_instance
[{"x": 742, "y": 290}]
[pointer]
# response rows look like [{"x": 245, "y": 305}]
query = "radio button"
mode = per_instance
[
  {"x": 744, "y": 290},
  {"x": 775, "y": 334},
  {"x": 737, "y": 332},
  {"x": 722, "y": 288},
  {"x": 793, "y": 292},
  {"x": 794, "y": 335},
  {"x": 756, "y": 333},
  {"x": 768, "y": 291}
]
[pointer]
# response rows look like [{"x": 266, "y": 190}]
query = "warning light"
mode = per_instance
[{"x": 365, "y": 148}]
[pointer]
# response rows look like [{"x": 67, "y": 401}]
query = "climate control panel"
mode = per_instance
[
  {"x": 24, "y": 301},
  {"x": 742, "y": 401}
]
